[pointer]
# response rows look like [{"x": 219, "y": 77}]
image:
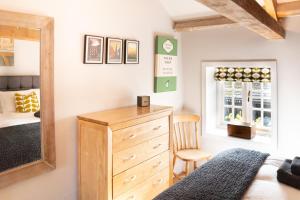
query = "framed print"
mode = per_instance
[
  {"x": 165, "y": 77},
  {"x": 7, "y": 53},
  {"x": 93, "y": 49},
  {"x": 131, "y": 52},
  {"x": 114, "y": 51}
]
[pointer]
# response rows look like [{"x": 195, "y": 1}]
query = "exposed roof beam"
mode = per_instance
[
  {"x": 288, "y": 9},
  {"x": 249, "y": 14},
  {"x": 271, "y": 6},
  {"x": 20, "y": 33},
  {"x": 207, "y": 22}
]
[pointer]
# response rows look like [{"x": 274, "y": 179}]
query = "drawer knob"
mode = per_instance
[
  {"x": 160, "y": 181},
  {"x": 130, "y": 179},
  {"x": 130, "y": 158},
  {"x": 155, "y": 147},
  {"x": 132, "y": 136},
  {"x": 132, "y": 197},
  {"x": 156, "y": 128},
  {"x": 158, "y": 164}
]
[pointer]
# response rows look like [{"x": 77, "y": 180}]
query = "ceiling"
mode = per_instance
[{"x": 191, "y": 9}]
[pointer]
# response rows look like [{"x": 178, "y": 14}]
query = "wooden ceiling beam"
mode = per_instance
[
  {"x": 249, "y": 14},
  {"x": 288, "y": 9},
  {"x": 271, "y": 7},
  {"x": 20, "y": 33},
  {"x": 202, "y": 23}
]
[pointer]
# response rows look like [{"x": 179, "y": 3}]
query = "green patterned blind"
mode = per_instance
[{"x": 255, "y": 74}]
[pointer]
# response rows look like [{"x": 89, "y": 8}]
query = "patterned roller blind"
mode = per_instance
[{"x": 256, "y": 74}]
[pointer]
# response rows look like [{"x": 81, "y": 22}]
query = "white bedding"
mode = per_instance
[
  {"x": 266, "y": 186},
  {"x": 13, "y": 119}
]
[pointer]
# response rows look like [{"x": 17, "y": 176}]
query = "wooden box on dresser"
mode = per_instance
[{"x": 125, "y": 153}]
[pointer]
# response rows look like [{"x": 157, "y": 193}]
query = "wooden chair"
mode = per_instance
[{"x": 186, "y": 142}]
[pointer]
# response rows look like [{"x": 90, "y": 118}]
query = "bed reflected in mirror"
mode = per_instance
[{"x": 20, "y": 101}]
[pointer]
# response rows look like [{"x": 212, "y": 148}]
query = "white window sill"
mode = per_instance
[{"x": 223, "y": 133}]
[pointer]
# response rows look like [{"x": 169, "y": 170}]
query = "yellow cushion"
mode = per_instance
[{"x": 27, "y": 103}]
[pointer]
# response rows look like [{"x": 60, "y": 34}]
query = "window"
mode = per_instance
[{"x": 245, "y": 102}]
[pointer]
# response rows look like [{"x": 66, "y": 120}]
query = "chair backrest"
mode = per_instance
[{"x": 186, "y": 134}]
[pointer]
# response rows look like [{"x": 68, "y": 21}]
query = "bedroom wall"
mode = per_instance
[
  {"x": 83, "y": 88},
  {"x": 237, "y": 43},
  {"x": 27, "y": 59}
]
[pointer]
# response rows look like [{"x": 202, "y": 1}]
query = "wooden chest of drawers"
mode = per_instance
[{"x": 125, "y": 153}]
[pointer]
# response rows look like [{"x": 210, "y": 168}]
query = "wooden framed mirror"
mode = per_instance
[{"x": 28, "y": 143}]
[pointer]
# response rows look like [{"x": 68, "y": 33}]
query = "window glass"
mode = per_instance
[
  {"x": 228, "y": 100},
  {"x": 238, "y": 114},
  {"x": 256, "y": 103},
  {"x": 238, "y": 101},
  {"x": 267, "y": 103},
  {"x": 267, "y": 119},
  {"x": 228, "y": 114},
  {"x": 257, "y": 117},
  {"x": 256, "y": 86}
]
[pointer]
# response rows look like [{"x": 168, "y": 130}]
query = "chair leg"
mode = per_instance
[
  {"x": 195, "y": 165},
  {"x": 186, "y": 168},
  {"x": 174, "y": 161}
]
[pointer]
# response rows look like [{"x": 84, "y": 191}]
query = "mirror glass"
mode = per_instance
[{"x": 20, "y": 127}]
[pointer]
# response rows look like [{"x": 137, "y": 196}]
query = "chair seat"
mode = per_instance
[{"x": 193, "y": 155}]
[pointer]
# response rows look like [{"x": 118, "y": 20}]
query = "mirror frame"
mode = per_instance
[{"x": 48, "y": 157}]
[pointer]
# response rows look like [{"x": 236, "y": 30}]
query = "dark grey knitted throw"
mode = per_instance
[
  {"x": 225, "y": 177},
  {"x": 19, "y": 145}
]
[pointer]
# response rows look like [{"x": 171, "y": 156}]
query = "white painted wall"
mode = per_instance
[
  {"x": 27, "y": 59},
  {"x": 83, "y": 88},
  {"x": 238, "y": 44}
]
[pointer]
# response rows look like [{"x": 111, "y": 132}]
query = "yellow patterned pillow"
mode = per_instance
[{"x": 27, "y": 103}]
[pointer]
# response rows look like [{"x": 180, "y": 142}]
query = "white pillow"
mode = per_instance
[{"x": 8, "y": 101}]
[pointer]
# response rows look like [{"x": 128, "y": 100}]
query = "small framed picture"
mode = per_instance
[
  {"x": 131, "y": 52},
  {"x": 93, "y": 49},
  {"x": 114, "y": 51}
]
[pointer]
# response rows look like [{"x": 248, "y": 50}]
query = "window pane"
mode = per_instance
[
  {"x": 238, "y": 101},
  {"x": 228, "y": 114},
  {"x": 256, "y": 103},
  {"x": 238, "y": 114},
  {"x": 238, "y": 93},
  {"x": 238, "y": 85},
  {"x": 267, "y": 86},
  {"x": 256, "y": 94},
  {"x": 257, "y": 117},
  {"x": 256, "y": 86},
  {"x": 228, "y": 84},
  {"x": 228, "y": 93},
  {"x": 267, "y": 119},
  {"x": 228, "y": 100},
  {"x": 267, "y": 94},
  {"x": 267, "y": 103}
]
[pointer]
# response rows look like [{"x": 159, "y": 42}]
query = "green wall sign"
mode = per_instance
[{"x": 165, "y": 64}]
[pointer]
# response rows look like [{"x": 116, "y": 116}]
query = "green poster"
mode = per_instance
[{"x": 165, "y": 64}]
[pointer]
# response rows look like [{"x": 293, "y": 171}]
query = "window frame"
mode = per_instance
[
  {"x": 208, "y": 66},
  {"x": 247, "y": 106}
]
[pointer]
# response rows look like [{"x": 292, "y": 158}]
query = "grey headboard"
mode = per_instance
[{"x": 15, "y": 83}]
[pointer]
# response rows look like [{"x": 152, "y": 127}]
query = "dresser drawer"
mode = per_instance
[
  {"x": 149, "y": 189},
  {"x": 131, "y": 136},
  {"x": 125, "y": 181},
  {"x": 130, "y": 157}
]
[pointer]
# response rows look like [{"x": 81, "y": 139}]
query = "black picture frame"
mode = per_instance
[
  {"x": 90, "y": 52},
  {"x": 117, "y": 50},
  {"x": 127, "y": 60}
]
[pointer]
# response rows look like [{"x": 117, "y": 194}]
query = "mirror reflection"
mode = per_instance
[{"x": 20, "y": 128}]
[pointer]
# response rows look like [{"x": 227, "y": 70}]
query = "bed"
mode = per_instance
[
  {"x": 20, "y": 133},
  {"x": 233, "y": 175},
  {"x": 265, "y": 185}
]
